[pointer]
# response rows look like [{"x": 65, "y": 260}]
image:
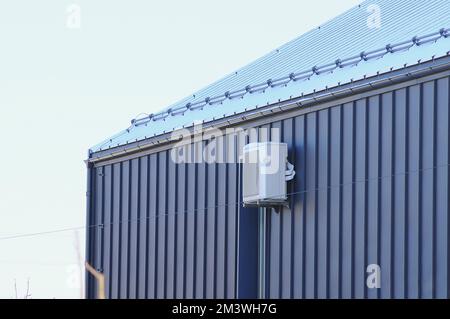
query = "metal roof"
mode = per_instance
[{"x": 341, "y": 51}]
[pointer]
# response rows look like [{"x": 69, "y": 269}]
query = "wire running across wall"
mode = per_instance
[{"x": 204, "y": 209}]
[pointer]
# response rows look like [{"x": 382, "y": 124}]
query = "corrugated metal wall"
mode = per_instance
[
  {"x": 372, "y": 187},
  {"x": 169, "y": 230}
]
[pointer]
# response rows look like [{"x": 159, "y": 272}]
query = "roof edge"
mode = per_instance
[
  {"x": 419, "y": 70},
  {"x": 296, "y": 76}
]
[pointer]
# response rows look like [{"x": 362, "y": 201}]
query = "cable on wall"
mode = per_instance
[{"x": 204, "y": 209}]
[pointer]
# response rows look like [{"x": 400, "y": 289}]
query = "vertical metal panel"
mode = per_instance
[
  {"x": 181, "y": 226},
  {"x": 172, "y": 215},
  {"x": 335, "y": 202},
  {"x": 232, "y": 200},
  {"x": 372, "y": 187},
  {"x": 386, "y": 251},
  {"x": 134, "y": 199},
  {"x": 311, "y": 206},
  {"x": 373, "y": 109},
  {"x": 191, "y": 228},
  {"x": 221, "y": 225},
  {"x": 116, "y": 231},
  {"x": 347, "y": 197},
  {"x": 441, "y": 236},
  {"x": 143, "y": 222},
  {"x": 274, "y": 228},
  {"x": 98, "y": 220},
  {"x": 298, "y": 187},
  {"x": 413, "y": 180},
  {"x": 427, "y": 191},
  {"x": 90, "y": 213},
  {"x": 210, "y": 216},
  {"x": 247, "y": 236},
  {"x": 200, "y": 212},
  {"x": 361, "y": 144},
  {"x": 399, "y": 193},
  {"x": 286, "y": 245},
  {"x": 153, "y": 220},
  {"x": 161, "y": 225},
  {"x": 125, "y": 230},
  {"x": 107, "y": 240},
  {"x": 322, "y": 203}
]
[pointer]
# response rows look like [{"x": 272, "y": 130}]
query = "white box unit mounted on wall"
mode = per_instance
[{"x": 265, "y": 173}]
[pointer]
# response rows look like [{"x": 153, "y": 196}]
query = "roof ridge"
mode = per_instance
[{"x": 299, "y": 76}]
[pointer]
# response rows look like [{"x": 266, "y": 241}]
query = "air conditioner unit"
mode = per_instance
[{"x": 265, "y": 173}]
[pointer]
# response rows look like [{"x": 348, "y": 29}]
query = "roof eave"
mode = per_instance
[{"x": 418, "y": 70}]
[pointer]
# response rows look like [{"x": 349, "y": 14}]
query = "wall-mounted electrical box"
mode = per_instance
[{"x": 265, "y": 172}]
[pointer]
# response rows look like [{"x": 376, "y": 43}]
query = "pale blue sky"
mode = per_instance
[{"x": 64, "y": 90}]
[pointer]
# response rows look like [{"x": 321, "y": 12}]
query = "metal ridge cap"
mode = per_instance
[{"x": 339, "y": 91}]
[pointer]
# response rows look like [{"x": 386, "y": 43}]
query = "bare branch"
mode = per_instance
[
  {"x": 28, "y": 295},
  {"x": 100, "y": 280},
  {"x": 80, "y": 263},
  {"x": 15, "y": 287}
]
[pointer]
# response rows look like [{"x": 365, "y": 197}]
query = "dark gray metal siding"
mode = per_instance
[
  {"x": 372, "y": 187},
  {"x": 164, "y": 230}
]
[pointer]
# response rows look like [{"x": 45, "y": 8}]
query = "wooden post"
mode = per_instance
[{"x": 100, "y": 281}]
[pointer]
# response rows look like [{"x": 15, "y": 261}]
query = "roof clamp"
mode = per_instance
[
  {"x": 306, "y": 75},
  {"x": 292, "y": 77},
  {"x": 389, "y": 49},
  {"x": 444, "y": 32},
  {"x": 315, "y": 70},
  {"x": 363, "y": 56}
]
